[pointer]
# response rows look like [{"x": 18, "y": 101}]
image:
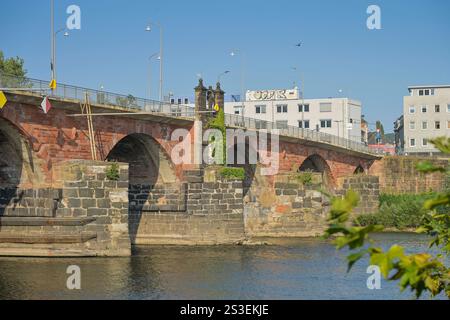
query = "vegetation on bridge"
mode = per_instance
[
  {"x": 218, "y": 123},
  {"x": 232, "y": 173},
  {"x": 423, "y": 272}
]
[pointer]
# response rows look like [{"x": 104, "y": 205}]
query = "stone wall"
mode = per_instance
[
  {"x": 213, "y": 215},
  {"x": 87, "y": 192},
  {"x": 285, "y": 208},
  {"x": 399, "y": 175},
  {"x": 16, "y": 202},
  {"x": 84, "y": 214},
  {"x": 368, "y": 189},
  {"x": 163, "y": 197}
]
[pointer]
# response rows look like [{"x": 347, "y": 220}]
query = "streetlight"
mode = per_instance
[
  {"x": 150, "y": 72},
  {"x": 53, "y": 39},
  {"x": 66, "y": 34},
  {"x": 303, "y": 99},
  {"x": 233, "y": 54},
  {"x": 161, "y": 34},
  {"x": 344, "y": 120},
  {"x": 221, "y": 75}
]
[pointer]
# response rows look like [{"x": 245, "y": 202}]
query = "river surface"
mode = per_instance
[{"x": 285, "y": 269}]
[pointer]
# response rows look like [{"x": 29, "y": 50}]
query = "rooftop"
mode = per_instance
[{"x": 429, "y": 87}]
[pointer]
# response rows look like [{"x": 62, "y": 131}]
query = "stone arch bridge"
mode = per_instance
[{"x": 55, "y": 200}]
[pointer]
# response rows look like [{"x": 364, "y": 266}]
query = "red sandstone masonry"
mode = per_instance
[{"x": 57, "y": 137}]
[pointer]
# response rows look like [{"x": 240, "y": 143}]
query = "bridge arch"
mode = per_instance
[
  {"x": 244, "y": 154},
  {"x": 150, "y": 171},
  {"x": 148, "y": 161},
  {"x": 317, "y": 164},
  {"x": 11, "y": 162},
  {"x": 359, "y": 170},
  {"x": 11, "y": 158}
]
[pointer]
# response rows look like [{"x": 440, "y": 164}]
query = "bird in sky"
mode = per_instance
[{"x": 298, "y": 44}]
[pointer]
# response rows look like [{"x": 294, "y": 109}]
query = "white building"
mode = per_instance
[
  {"x": 336, "y": 116},
  {"x": 426, "y": 115}
]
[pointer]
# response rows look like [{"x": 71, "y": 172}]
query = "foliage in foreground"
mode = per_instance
[{"x": 423, "y": 272}]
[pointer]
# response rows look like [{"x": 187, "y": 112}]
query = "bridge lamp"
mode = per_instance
[
  {"x": 221, "y": 75},
  {"x": 157, "y": 57},
  {"x": 149, "y": 29},
  {"x": 233, "y": 53},
  {"x": 66, "y": 34}
]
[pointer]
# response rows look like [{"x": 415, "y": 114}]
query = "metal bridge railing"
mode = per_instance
[
  {"x": 292, "y": 131},
  {"x": 98, "y": 97},
  {"x": 131, "y": 103}
]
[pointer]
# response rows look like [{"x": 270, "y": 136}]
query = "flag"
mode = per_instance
[{"x": 45, "y": 105}]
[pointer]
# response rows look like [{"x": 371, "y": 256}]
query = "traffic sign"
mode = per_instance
[
  {"x": 3, "y": 99},
  {"x": 52, "y": 84}
]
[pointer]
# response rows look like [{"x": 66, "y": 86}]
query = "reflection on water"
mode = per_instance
[{"x": 286, "y": 269}]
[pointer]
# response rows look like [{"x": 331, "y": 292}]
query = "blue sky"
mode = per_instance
[{"x": 338, "y": 51}]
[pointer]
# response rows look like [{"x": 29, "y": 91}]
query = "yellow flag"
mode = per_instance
[
  {"x": 3, "y": 99},
  {"x": 52, "y": 84},
  {"x": 216, "y": 108}
]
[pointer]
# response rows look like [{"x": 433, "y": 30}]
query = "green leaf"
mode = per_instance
[{"x": 355, "y": 257}]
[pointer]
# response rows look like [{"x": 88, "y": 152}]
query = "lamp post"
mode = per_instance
[
  {"x": 303, "y": 99},
  {"x": 53, "y": 39},
  {"x": 343, "y": 113},
  {"x": 221, "y": 75},
  {"x": 66, "y": 34},
  {"x": 242, "y": 55},
  {"x": 161, "y": 34},
  {"x": 150, "y": 73}
]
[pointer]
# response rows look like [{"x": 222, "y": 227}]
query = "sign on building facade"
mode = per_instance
[{"x": 264, "y": 95}]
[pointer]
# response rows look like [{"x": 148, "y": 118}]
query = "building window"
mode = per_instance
[
  {"x": 437, "y": 125},
  {"x": 260, "y": 109},
  {"x": 420, "y": 92},
  {"x": 260, "y": 124},
  {"x": 303, "y": 108},
  {"x": 448, "y": 108},
  {"x": 282, "y": 108},
  {"x": 237, "y": 110},
  {"x": 424, "y": 125},
  {"x": 325, "y": 107},
  {"x": 412, "y": 125},
  {"x": 448, "y": 124},
  {"x": 303, "y": 124},
  {"x": 412, "y": 109},
  {"x": 424, "y": 109},
  {"x": 437, "y": 108},
  {"x": 424, "y": 142},
  {"x": 325, "y": 123},
  {"x": 282, "y": 124},
  {"x": 412, "y": 142}
]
